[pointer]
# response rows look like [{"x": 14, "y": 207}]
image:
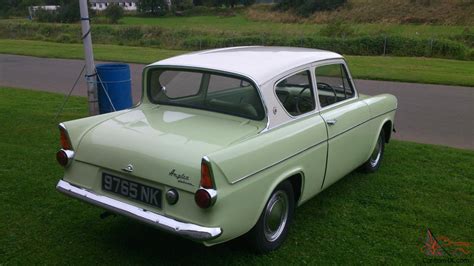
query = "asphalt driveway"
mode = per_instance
[{"x": 435, "y": 114}]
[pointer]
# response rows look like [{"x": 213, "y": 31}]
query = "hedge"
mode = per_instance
[{"x": 154, "y": 36}]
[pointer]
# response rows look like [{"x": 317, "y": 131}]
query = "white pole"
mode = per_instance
[{"x": 89, "y": 57}]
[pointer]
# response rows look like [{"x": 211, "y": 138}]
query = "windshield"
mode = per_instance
[{"x": 205, "y": 90}]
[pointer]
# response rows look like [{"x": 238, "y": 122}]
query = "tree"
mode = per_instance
[
  {"x": 152, "y": 7},
  {"x": 307, "y": 7},
  {"x": 247, "y": 2},
  {"x": 69, "y": 11},
  {"x": 113, "y": 13},
  {"x": 16, "y": 7},
  {"x": 182, "y": 4}
]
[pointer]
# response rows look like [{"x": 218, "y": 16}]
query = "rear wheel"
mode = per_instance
[
  {"x": 271, "y": 229},
  {"x": 375, "y": 160}
]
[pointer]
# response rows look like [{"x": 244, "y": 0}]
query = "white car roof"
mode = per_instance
[{"x": 261, "y": 63}]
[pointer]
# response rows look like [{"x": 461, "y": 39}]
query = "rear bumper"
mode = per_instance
[{"x": 187, "y": 230}]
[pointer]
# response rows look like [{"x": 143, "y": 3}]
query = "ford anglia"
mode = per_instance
[{"x": 228, "y": 142}]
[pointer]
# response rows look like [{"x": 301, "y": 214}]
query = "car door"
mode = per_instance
[
  {"x": 296, "y": 95},
  {"x": 345, "y": 116}
]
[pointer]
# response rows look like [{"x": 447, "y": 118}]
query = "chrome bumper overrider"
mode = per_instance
[{"x": 192, "y": 231}]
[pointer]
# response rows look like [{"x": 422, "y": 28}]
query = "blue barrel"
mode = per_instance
[{"x": 114, "y": 80}]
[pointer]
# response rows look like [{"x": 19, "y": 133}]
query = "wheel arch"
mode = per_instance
[
  {"x": 387, "y": 127},
  {"x": 295, "y": 176},
  {"x": 296, "y": 181}
]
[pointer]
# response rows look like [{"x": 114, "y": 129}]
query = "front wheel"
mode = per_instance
[
  {"x": 375, "y": 160},
  {"x": 271, "y": 229}
]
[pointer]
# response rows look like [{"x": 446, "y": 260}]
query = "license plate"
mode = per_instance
[{"x": 131, "y": 190}]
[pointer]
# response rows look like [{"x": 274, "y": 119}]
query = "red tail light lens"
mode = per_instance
[
  {"x": 203, "y": 199},
  {"x": 64, "y": 138},
  {"x": 62, "y": 158},
  {"x": 206, "y": 175},
  {"x": 206, "y": 195}
]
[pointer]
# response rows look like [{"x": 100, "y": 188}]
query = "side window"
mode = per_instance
[
  {"x": 333, "y": 84},
  {"x": 296, "y": 93}
]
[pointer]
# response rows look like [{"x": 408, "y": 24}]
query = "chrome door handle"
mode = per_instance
[{"x": 331, "y": 122}]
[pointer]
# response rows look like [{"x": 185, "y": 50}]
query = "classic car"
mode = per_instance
[{"x": 228, "y": 142}]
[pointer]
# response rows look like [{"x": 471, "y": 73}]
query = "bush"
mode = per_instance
[
  {"x": 64, "y": 38},
  {"x": 338, "y": 29},
  {"x": 46, "y": 16},
  {"x": 113, "y": 13},
  {"x": 196, "y": 40},
  {"x": 68, "y": 12},
  {"x": 470, "y": 56},
  {"x": 467, "y": 37},
  {"x": 180, "y": 5},
  {"x": 152, "y": 7},
  {"x": 307, "y": 7},
  {"x": 248, "y": 2}
]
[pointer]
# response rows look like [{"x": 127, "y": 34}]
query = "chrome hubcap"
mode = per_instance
[
  {"x": 377, "y": 153},
  {"x": 276, "y": 216}
]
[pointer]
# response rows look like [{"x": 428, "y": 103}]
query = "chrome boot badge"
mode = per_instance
[{"x": 128, "y": 169}]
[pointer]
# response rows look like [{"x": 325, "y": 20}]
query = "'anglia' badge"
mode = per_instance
[{"x": 182, "y": 178}]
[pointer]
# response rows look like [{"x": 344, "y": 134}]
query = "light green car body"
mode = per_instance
[{"x": 248, "y": 158}]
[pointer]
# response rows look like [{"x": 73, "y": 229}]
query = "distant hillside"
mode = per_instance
[{"x": 446, "y": 12}]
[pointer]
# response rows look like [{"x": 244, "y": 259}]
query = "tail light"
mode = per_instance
[
  {"x": 205, "y": 198},
  {"x": 206, "y": 195},
  {"x": 64, "y": 138},
  {"x": 206, "y": 175},
  {"x": 65, "y": 155}
]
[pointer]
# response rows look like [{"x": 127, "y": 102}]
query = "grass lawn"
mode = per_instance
[
  {"x": 103, "y": 52},
  {"x": 408, "y": 69},
  {"x": 379, "y": 218},
  {"x": 240, "y": 23}
]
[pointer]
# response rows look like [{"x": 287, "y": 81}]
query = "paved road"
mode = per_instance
[{"x": 433, "y": 114}]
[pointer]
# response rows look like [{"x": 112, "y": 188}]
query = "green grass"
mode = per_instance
[
  {"x": 240, "y": 23},
  {"x": 363, "y": 219},
  {"x": 104, "y": 52},
  {"x": 408, "y": 69},
  {"x": 413, "y": 69}
]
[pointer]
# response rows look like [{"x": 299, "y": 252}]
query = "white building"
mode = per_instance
[
  {"x": 127, "y": 5},
  {"x": 33, "y": 9}
]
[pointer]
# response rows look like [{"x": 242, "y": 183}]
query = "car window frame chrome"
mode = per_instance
[
  {"x": 294, "y": 72},
  {"x": 340, "y": 61}
]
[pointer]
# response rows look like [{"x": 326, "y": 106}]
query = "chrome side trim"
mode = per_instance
[
  {"x": 310, "y": 147},
  {"x": 188, "y": 230},
  {"x": 349, "y": 129},
  {"x": 278, "y": 162}
]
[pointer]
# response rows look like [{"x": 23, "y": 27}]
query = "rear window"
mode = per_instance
[{"x": 205, "y": 90}]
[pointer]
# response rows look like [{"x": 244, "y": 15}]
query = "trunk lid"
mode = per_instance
[{"x": 164, "y": 144}]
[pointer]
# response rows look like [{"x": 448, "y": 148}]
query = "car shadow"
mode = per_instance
[{"x": 141, "y": 241}]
